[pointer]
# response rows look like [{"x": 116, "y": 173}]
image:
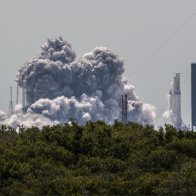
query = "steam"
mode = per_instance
[
  {"x": 28, "y": 120},
  {"x": 3, "y": 116},
  {"x": 59, "y": 88},
  {"x": 170, "y": 117}
]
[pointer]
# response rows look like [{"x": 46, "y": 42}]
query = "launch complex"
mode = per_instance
[{"x": 174, "y": 101}]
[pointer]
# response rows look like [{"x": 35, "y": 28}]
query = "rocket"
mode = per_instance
[{"x": 175, "y": 100}]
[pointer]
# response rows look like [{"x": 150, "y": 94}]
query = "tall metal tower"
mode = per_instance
[
  {"x": 124, "y": 109},
  {"x": 11, "y": 108}
]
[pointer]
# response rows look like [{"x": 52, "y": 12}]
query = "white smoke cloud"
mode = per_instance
[
  {"x": 28, "y": 120},
  {"x": 59, "y": 88},
  {"x": 168, "y": 116},
  {"x": 3, "y": 116},
  {"x": 63, "y": 108}
]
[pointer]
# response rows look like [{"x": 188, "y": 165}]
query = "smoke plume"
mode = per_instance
[
  {"x": 169, "y": 117},
  {"x": 59, "y": 88}
]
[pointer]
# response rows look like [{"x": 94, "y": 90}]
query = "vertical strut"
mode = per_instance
[{"x": 126, "y": 108}]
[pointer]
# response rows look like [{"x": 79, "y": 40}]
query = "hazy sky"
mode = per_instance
[{"x": 131, "y": 28}]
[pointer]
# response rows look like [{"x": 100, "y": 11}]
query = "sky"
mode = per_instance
[{"x": 131, "y": 28}]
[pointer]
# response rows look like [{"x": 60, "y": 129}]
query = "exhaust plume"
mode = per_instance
[{"x": 58, "y": 87}]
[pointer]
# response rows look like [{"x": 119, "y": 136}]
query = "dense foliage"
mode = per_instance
[{"x": 97, "y": 159}]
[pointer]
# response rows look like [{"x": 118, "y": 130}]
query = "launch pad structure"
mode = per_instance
[{"x": 174, "y": 100}]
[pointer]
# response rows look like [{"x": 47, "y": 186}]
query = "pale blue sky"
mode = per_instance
[{"x": 131, "y": 28}]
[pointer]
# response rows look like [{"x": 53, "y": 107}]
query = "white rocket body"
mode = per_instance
[{"x": 175, "y": 101}]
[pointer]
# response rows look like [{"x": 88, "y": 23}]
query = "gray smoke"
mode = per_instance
[
  {"x": 57, "y": 50},
  {"x": 59, "y": 88}
]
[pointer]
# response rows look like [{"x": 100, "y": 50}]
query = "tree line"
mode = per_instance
[{"x": 97, "y": 159}]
